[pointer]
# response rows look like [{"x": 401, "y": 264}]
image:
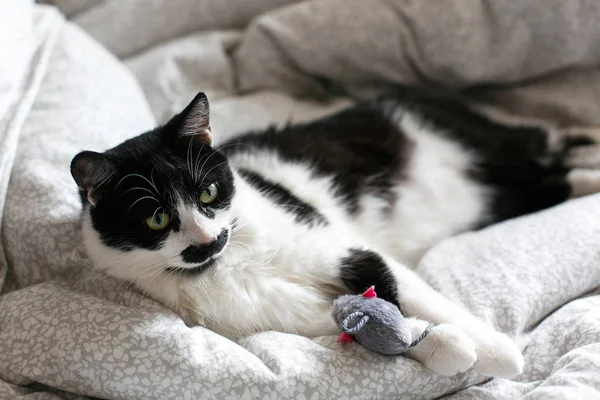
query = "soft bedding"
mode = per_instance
[{"x": 66, "y": 331}]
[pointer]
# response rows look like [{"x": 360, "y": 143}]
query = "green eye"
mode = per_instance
[
  {"x": 209, "y": 194},
  {"x": 158, "y": 221}
]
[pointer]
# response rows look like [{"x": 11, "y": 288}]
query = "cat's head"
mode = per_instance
[{"x": 159, "y": 202}]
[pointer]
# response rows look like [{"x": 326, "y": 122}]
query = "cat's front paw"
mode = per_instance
[
  {"x": 447, "y": 350},
  {"x": 497, "y": 355}
]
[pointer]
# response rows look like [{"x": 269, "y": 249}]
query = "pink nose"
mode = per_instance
[{"x": 199, "y": 235}]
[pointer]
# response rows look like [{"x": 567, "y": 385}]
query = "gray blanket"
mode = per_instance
[{"x": 65, "y": 329}]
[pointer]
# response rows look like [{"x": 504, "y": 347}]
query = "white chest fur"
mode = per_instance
[{"x": 276, "y": 273}]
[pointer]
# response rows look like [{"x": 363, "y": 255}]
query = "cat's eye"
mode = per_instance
[
  {"x": 158, "y": 221},
  {"x": 209, "y": 194}
]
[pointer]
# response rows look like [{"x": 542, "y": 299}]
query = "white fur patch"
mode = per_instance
[
  {"x": 275, "y": 274},
  {"x": 435, "y": 201},
  {"x": 197, "y": 228}
]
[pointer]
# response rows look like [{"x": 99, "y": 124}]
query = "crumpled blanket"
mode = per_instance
[{"x": 119, "y": 67}]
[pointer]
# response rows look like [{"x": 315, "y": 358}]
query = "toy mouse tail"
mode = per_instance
[
  {"x": 354, "y": 322},
  {"x": 423, "y": 336}
]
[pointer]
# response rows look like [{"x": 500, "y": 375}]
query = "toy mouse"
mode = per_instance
[{"x": 376, "y": 324}]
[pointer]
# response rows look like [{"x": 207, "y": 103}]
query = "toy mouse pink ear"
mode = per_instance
[
  {"x": 370, "y": 292},
  {"x": 344, "y": 337}
]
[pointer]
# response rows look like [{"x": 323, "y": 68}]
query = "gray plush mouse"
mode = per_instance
[{"x": 376, "y": 324}]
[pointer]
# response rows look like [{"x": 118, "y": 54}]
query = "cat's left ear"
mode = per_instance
[
  {"x": 195, "y": 120},
  {"x": 91, "y": 171}
]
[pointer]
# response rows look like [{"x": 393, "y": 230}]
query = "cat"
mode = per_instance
[{"x": 265, "y": 231}]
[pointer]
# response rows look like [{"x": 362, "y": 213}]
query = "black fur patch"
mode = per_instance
[
  {"x": 363, "y": 268},
  {"x": 576, "y": 141},
  {"x": 517, "y": 163},
  {"x": 360, "y": 148},
  {"x": 303, "y": 213},
  {"x": 199, "y": 254}
]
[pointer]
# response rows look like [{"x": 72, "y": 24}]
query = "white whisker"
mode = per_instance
[
  {"x": 188, "y": 157},
  {"x": 220, "y": 148},
  {"x": 245, "y": 245},
  {"x": 139, "y": 176},
  {"x": 152, "y": 179},
  {"x": 218, "y": 165},
  {"x": 138, "y": 188},
  {"x": 197, "y": 162},
  {"x": 154, "y": 214},
  {"x": 104, "y": 180},
  {"x": 138, "y": 200},
  {"x": 205, "y": 161}
]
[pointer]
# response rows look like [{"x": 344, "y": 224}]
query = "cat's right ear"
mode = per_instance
[
  {"x": 91, "y": 170},
  {"x": 195, "y": 120}
]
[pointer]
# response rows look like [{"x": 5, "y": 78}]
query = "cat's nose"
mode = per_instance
[
  {"x": 205, "y": 239},
  {"x": 199, "y": 236}
]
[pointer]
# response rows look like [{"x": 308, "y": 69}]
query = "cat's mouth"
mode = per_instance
[{"x": 202, "y": 257}]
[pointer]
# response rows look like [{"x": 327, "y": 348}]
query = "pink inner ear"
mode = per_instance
[
  {"x": 370, "y": 292},
  {"x": 204, "y": 137},
  {"x": 344, "y": 337}
]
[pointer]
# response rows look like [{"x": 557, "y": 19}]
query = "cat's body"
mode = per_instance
[{"x": 317, "y": 210}]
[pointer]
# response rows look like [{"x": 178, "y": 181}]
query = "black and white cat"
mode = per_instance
[{"x": 263, "y": 232}]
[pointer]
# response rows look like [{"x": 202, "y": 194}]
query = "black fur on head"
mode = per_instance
[{"x": 152, "y": 173}]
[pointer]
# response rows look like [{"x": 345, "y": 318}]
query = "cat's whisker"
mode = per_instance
[
  {"x": 138, "y": 188},
  {"x": 239, "y": 230},
  {"x": 197, "y": 162},
  {"x": 152, "y": 179},
  {"x": 154, "y": 214},
  {"x": 156, "y": 270},
  {"x": 232, "y": 144},
  {"x": 237, "y": 246},
  {"x": 216, "y": 166},
  {"x": 218, "y": 150},
  {"x": 240, "y": 236},
  {"x": 239, "y": 243},
  {"x": 205, "y": 161},
  {"x": 103, "y": 181},
  {"x": 140, "y": 199},
  {"x": 188, "y": 157},
  {"x": 240, "y": 226},
  {"x": 139, "y": 176}
]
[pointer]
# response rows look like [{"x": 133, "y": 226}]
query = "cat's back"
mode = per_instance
[
  {"x": 359, "y": 150},
  {"x": 379, "y": 165}
]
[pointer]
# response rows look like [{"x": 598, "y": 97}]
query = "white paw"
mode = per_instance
[
  {"x": 447, "y": 350},
  {"x": 498, "y": 355}
]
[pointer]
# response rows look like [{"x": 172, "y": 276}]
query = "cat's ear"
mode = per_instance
[
  {"x": 195, "y": 120},
  {"x": 90, "y": 171}
]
